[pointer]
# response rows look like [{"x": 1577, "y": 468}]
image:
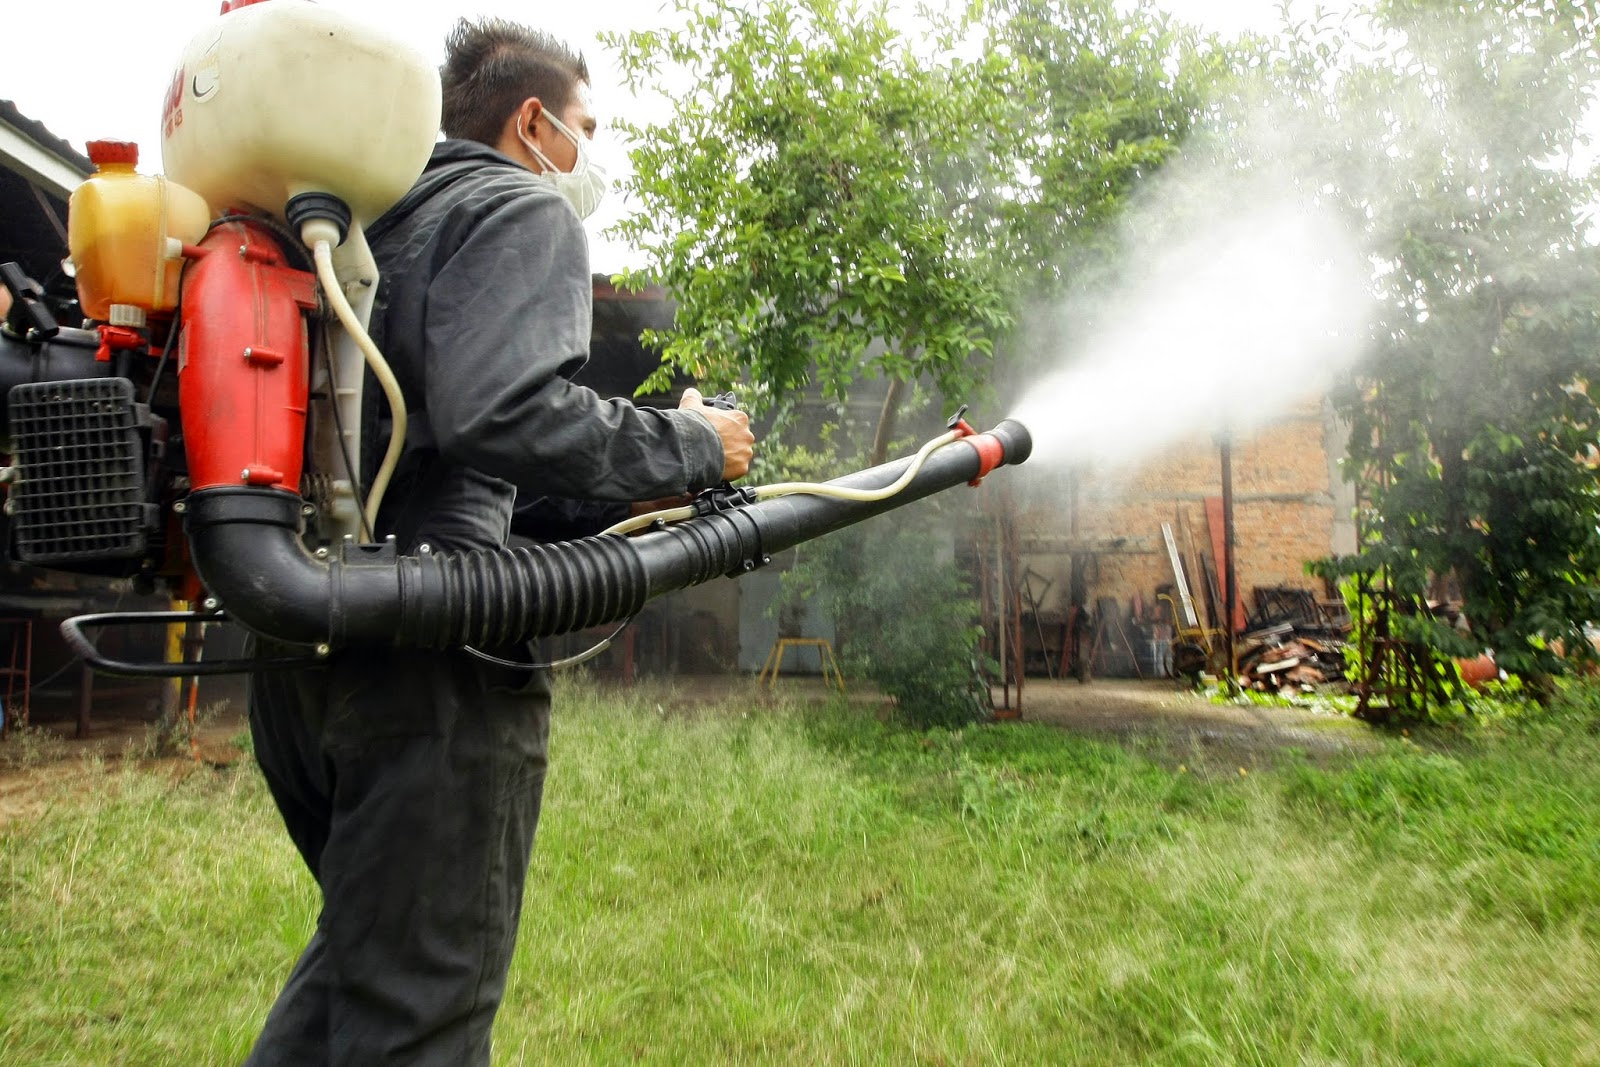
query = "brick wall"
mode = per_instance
[{"x": 1289, "y": 507}]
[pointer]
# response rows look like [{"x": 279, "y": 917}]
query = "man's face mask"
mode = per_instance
[{"x": 585, "y": 185}]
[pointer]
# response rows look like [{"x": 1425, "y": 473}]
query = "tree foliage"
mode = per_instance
[
  {"x": 1474, "y": 423},
  {"x": 840, "y": 198},
  {"x": 814, "y": 193},
  {"x": 1112, "y": 92}
]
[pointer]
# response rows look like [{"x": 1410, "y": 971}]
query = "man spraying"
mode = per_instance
[{"x": 410, "y": 781}]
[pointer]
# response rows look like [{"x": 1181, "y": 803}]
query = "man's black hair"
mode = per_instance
[{"x": 491, "y": 66}]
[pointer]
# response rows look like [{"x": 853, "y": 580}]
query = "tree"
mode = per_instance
[
  {"x": 1112, "y": 92},
  {"x": 810, "y": 203},
  {"x": 813, "y": 207},
  {"x": 836, "y": 199},
  {"x": 1473, "y": 421}
]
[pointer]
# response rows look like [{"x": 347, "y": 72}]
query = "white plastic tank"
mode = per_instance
[{"x": 282, "y": 97}]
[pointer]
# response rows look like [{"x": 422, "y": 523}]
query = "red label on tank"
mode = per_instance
[{"x": 172, "y": 107}]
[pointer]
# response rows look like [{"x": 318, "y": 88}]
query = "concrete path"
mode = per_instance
[{"x": 1160, "y": 711}]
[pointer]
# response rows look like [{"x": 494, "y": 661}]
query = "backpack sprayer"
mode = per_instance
[{"x": 203, "y": 429}]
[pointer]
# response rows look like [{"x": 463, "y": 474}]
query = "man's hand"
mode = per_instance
[{"x": 738, "y": 443}]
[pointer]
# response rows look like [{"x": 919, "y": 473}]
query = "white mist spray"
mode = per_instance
[{"x": 1225, "y": 325}]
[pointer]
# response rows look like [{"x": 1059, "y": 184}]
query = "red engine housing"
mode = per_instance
[{"x": 243, "y": 360}]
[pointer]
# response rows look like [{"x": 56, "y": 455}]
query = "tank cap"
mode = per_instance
[
  {"x": 307, "y": 206},
  {"x": 128, "y": 315},
  {"x": 105, "y": 153}
]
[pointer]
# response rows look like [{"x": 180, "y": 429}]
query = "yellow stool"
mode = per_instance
[{"x": 783, "y": 644}]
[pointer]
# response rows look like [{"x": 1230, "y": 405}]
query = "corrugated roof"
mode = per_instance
[
  {"x": 40, "y": 135},
  {"x": 37, "y": 171}
]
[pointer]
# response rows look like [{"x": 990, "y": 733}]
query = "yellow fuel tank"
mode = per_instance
[{"x": 126, "y": 232}]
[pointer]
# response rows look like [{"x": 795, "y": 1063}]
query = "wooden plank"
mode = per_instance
[
  {"x": 1218, "y": 536},
  {"x": 1191, "y": 620}
]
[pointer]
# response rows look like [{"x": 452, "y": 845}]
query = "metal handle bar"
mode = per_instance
[{"x": 72, "y": 630}]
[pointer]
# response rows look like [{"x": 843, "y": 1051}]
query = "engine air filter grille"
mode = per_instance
[{"x": 81, "y": 458}]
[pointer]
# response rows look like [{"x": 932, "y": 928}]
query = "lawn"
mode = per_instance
[{"x": 782, "y": 885}]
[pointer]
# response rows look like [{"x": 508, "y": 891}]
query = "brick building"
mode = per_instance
[{"x": 1290, "y": 506}]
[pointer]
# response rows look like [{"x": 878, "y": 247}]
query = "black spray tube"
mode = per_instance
[{"x": 246, "y": 545}]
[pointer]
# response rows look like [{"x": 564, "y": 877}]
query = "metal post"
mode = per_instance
[
  {"x": 1002, "y": 609},
  {"x": 1230, "y": 581},
  {"x": 1013, "y": 550}
]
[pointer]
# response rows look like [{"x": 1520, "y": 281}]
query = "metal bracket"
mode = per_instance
[
  {"x": 746, "y": 566},
  {"x": 355, "y": 553},
  {"x": 958, "y": 421}
]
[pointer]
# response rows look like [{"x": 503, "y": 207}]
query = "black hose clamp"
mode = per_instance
[{"x": 723, "y": 498}]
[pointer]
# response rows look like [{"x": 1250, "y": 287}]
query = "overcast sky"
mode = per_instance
[{"x": 91, "y": 69}]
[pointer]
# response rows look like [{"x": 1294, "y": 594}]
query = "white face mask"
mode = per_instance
[{"x": 585, "y": 185}]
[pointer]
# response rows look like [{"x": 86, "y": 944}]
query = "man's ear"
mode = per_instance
[
  {"x": 519, "y": 125},
  {"x": 521, "y": 120},
  {"x": 528, "y": 114}
]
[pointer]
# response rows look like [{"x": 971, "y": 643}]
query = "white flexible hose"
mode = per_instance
[
  {"x": 322, "y": 253},
  {"x": 639, "y": 522},
  {"x": 767, "y": 492}
]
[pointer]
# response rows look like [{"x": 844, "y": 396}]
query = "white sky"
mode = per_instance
[{"x": 91, "y": 69}]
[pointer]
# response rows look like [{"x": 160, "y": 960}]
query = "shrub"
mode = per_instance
[{"x": 906, "y": 615}]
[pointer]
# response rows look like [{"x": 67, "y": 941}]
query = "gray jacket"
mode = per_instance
[{"x": 484, "y": 313}]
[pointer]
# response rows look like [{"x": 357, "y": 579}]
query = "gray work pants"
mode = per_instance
[{"x": 410, "y": 782}]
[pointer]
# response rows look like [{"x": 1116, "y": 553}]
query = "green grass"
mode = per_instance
[{"x": 791, "y": 886}]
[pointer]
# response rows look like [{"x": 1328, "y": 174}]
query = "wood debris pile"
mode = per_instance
[{"x": 1282, "y": 659}]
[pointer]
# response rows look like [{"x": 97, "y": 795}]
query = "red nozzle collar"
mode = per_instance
[{"x": 991, "y": 453}]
